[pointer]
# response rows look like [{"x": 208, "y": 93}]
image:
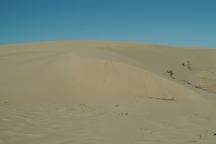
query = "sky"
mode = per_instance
[{"x": 172, "y": 22}]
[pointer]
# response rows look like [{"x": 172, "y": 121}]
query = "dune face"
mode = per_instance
[{"x": 104, "y": 92}]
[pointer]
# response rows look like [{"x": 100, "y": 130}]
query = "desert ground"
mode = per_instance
[{"x": 101, "y": 92}]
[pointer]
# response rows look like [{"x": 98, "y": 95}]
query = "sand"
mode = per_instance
[{"x": 97, "y": 92}]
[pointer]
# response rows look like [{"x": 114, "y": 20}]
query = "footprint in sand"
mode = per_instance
[
  {"x": 123, "y": 114},
  {"x": 116, "y": 105},
  {"x": 83, "y": 107}
]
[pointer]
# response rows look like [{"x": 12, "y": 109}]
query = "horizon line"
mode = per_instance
[{"x": 113, "y": 41}]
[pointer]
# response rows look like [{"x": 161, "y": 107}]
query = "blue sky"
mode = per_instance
[{"x": 175, "y": 22}]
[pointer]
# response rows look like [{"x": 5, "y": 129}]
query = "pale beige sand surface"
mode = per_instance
[{"x": 89, "y": 92}]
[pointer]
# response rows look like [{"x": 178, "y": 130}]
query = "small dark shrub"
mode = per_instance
[{"x": 171, "y": 74}]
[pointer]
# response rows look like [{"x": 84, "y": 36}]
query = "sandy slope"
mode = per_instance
[{"x": 88, "y": 92}]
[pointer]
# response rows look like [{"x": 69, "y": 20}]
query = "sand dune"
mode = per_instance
[{"x": 106, "y": 92}]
